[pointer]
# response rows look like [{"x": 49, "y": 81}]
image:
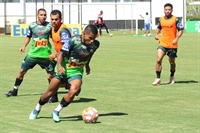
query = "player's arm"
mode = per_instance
[
  {"x": 158, "y": 30},
  {"x": 26, "y": 41},
  {"x": 64, "y": 52},
  {"x": 87, "y": 65},
  {"x": 180, "y": 29},
  {"x": 141, "y": 16}
]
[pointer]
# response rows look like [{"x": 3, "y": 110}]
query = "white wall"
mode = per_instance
[{"x": 89, "y": 12}]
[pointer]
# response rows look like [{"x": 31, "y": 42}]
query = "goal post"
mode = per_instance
[{"x": 117, "y": 16}]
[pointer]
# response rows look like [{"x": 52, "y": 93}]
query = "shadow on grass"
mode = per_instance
[
  {"x": 79, "y": 117},
  {"x": 182, "y": 82}
]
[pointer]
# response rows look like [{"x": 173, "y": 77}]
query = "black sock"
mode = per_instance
[
  {"x": 41, "y": 102},
  {"x": 18, "y": 82},
  {"x": 55, "y": 96},
  {"x": 158, "y": 74},
  {"x": 64, "y": 103},
  {"x": 172, "y": 73}
]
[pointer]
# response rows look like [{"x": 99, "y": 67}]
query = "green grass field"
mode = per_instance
[{"x": 119, "y": 87}]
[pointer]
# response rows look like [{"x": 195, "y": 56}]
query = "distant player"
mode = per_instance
[
  {"x": 39, "y": 52},
  {"x": 168, "y": 42},
  {"x": 79, "y": 51},
  {"x": 147, "y": 24},
  {"x": 100, "y": 23}
]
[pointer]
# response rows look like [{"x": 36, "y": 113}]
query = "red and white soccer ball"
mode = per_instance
[
  {"x": 111, "y": 35},
  {"x": 90, "y": 115}
]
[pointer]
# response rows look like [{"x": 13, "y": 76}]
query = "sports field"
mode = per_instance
[{"x": 119, "y": 87}]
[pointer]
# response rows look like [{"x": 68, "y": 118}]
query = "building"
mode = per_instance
[{"x": 122, "y": 12}]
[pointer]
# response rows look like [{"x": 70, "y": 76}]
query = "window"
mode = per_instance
[
  {"x": 78, "y": 1},
  {"x": 10, "y": 1},
  {"x": 105, "y": 0},
  {"x": 137, "y": 0}
]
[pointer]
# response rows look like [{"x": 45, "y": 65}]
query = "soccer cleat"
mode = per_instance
[
  {"x": 171, "y": 80},
  {"x": 53, "y": 100},
  {"x": 156, "y": 82},
  {"x": 34, "y": 114},
  {"x": 55, "y": 115},
  {"x": 11, "y": 93}
]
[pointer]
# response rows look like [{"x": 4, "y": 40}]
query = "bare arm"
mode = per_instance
[
  {"x": 157, "y": 34},
  {"x": 87, "y": 66},
  {"x": 60, "y": 55},
  {"x": 26, "y": 42}
]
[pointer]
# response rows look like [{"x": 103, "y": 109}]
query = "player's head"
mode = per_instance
[
  {"x": 101, "y": 12},
  {"x": 56, "y": 18},
  {"x": 168, "y": 8},
  {"x": 147, "y": 13},
  {"x": 42, "y": 16},
  {"x": 89, "y": 34}
]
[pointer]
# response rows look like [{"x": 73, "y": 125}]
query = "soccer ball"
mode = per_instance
[
  {"x": 111, "y": 35},
  {"x": 90, "y": 115}
]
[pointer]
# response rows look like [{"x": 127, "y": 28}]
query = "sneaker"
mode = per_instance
[
  {"x": 34, "y": 114},
  {"x": 53, "y": 100},
  {"x": 156, "y": 82},
  {"x": 55, "y": 115},
  {"x": 11, "y": 93},
  {"x": 171, "y": 80}
]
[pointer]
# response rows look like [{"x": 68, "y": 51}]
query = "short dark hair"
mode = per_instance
[
  {"x": 91, "y": 28},
  {"x": 168, "y": 4},
  {"x": 41, "y": 9},
  {"x": 54, "y": 12},
  {"x": 147, "y": 13}
]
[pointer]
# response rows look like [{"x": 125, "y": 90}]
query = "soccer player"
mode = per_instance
[
  {"x": 147, "y": 24},
  {"x": 39, "y": 52},
  {"x": 60, "y": 36},
  {"x": 100, "y": 23},
  {"x": 168, "y": 42},
  {"x": 79, "y": 51}
]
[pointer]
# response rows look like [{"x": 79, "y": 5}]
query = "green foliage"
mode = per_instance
[
  {"x": 193, "y": 18},
  {"x": 119, "y": 87}
]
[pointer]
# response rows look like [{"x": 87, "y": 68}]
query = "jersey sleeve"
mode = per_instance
[
  {"x": 179, "y": 25},
  {"x": 29, "y": 32},
  {"x": 96, "y": 44},
  {"x": 66, "y": 46},
  {"x": 159, "y": 25},
  {"x": 65, "y": 36}
]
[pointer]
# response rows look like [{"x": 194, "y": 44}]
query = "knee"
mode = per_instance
[
  {"x": 159, "y": 61},
  {"x": 73, "y": 91}
]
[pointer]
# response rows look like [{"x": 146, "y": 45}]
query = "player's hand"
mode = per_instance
[
  {"x": 52, "y": 57},
  {"x": 175, "y": 41},
  {"x": 61, "y": 70},
  {"x": 87, "y": 69},
  {"x": 156, "y": 37},
  {"x": 22, "y": 50}
]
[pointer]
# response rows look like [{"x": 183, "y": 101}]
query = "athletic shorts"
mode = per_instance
[
  {"x": 147, "y": 26},
  {"x": 29, "y": 62},
  {"x": 65, "y": 79},
  {"x": 171, "y": 53}
]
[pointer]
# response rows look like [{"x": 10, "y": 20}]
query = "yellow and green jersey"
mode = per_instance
[{"x": 39, "y": 34}]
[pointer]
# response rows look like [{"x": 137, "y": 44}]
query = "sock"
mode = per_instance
[
  {"x": 41, "y": 102},
  {"x": 55, "y": 96},
  {"x": 62, "y": 104},
  {"x": 172, "y": 73},
  {"x": 158, "y": 74},
  {"x": 17, "y": 83},
  {"x": 38, "y": 107}
]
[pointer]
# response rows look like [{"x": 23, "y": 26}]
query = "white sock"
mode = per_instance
[
  {"x": 38, "y": 107},
  {"x": 16, "y": 87},
  {"x": 59, "y": 108}
]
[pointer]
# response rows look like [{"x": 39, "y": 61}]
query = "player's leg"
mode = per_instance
[
  {"x": 28, "y": 63},
  {"x": 172, "y": 55},
  {"x": 104, "y": 25},
  {"x": 160, "y": 54},
  {"x": 148, "y": 29},
  {"x": 52, "y": 89},
  {"x": 100, "y": 29},
  {"x": 75, "y": 83}
]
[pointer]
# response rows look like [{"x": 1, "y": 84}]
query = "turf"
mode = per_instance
[{"x": 119, "y": 87}]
